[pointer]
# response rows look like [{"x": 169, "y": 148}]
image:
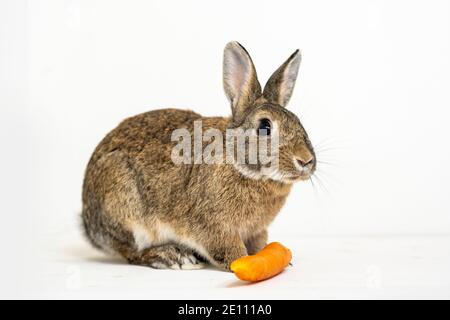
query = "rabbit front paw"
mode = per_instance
[{"x": 224, "y": 256}]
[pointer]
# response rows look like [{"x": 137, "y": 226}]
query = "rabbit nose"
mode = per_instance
[{"x": 306, "y": 162}]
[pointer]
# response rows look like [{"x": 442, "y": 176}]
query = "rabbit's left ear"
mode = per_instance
[{"x": 281, "y": 84}]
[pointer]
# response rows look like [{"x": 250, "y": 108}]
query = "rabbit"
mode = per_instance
[{"x": 140, "y": 205}]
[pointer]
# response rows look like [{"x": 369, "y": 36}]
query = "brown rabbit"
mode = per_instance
[{"x": 141, "y": 205}]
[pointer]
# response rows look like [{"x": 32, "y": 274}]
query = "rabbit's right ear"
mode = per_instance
[
  {"x": 239, "y": 78},
  {"x": 281, "y": 84}
]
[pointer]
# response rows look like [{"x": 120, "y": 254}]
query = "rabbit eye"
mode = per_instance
[{"x": 264, "y": 127}]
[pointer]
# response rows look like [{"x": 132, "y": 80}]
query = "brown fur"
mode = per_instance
[{"x": 190, "y": 212}]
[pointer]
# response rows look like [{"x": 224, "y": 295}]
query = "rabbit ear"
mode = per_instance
[
  {"x": 239, "y": 78},
  {"x": 281, "y": 84}
]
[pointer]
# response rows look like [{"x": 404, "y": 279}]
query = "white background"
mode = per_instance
[{"x": 373, "y": 93}]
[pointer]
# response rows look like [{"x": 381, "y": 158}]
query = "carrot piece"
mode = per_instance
[{"x": 268, "y": 262}]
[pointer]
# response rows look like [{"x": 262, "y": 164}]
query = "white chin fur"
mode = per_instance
[{"x": 264, "y": 174}]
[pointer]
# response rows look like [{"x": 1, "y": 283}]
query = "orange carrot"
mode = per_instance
[{"x": 265, "y": 264}]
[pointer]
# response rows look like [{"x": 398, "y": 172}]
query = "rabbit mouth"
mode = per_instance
[
  {"x": 271, "y": 173},
  {"x": 286, "y": 176},
  {"x": 298, "y": 177}
]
